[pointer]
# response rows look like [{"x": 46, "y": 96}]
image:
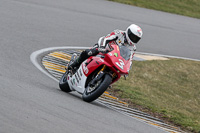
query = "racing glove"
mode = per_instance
[{"x": 102, "y": 50}]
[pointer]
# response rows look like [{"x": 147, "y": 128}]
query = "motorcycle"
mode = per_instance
[{"x": 98, "y": 72}]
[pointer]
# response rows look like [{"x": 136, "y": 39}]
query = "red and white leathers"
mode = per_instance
[{"x": 120, "y": 37}]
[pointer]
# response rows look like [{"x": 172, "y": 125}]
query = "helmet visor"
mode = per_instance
[{"x": 133, "y": 37}]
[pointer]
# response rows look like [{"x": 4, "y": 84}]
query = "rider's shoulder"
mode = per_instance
[{"x": 118, "y": 32}]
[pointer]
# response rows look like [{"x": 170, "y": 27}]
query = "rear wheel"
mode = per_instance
[
  {"x": 92, "y": 93},
  {"x": 63, "y": 84}
]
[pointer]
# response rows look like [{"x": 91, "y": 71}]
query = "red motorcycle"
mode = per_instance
[{"x": 96, "y": 73}]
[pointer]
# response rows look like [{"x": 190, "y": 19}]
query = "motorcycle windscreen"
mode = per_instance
[{"x": 125, "y": 52}]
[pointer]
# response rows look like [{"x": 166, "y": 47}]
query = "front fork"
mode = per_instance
[
  {"x": 98, "y": 77},
  {"x": 113, "y": 75},
  {"x": 102, "y": 69}
]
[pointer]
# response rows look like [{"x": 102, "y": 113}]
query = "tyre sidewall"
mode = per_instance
[{"x": 64, "y": 86}]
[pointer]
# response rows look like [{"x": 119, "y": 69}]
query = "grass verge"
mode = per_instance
[
  {"x": 170, "y": 88},
  {"x": 182, "y": 7}
]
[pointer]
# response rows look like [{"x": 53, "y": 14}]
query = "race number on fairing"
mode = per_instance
[{"x": 120, "y": 64}]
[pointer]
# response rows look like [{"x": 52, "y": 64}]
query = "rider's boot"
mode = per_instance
[
  {"x": 83, "y": 56},
  {"x": 74, "y": 66}
]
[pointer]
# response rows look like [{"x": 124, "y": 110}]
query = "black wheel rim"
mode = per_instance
[{"x": 89, "y": 89}]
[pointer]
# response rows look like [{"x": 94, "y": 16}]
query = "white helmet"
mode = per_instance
[{"x": 133, "y": 34}]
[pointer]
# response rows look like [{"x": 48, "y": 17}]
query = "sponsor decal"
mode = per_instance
[
  {"x": 110, "y": 54},
  {"x": 101, "y": 60},
  {"x": 80, "y": 72},
  {"x": 116, "y": 54},
  {"x": 76, "y": 78},
  {"x": 85, "y": 69}
]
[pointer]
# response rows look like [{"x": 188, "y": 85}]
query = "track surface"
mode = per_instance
[{"x": 31, "y": 102}]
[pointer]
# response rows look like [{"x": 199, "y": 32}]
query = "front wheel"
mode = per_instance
[
  {"x": 99, "y": 89},
  {"x": 63, "y": 84}
]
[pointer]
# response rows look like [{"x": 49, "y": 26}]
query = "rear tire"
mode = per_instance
[
  {"x": 63, "y": 84},
  {"x": 89, "y": 97}
]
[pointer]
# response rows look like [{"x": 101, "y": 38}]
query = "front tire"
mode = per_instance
[
  {"x": 91, "y": 96},
  {"x": 63, "y": 84}
]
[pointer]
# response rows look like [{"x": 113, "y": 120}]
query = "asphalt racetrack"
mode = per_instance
[{"x": 32, "y": 102}]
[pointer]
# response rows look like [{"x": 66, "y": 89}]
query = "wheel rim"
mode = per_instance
[
  {"x": 64, "y": 78},
  {"x": 91, "y": 89}
]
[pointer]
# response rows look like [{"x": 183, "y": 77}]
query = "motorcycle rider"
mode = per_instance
[{"x": 127, "y": 38}]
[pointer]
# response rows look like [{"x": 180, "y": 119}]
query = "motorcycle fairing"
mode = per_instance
[
  {"x": 77, "y": 81},
  {"x": 113, "y": 60}
]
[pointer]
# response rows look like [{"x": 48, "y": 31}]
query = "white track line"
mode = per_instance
[
  {"x": 169, "y": 56},
  {"x": 34, "y": 57}
]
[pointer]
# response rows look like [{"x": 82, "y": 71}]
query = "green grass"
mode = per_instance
[
  {"x": 170, "y": 87},
  {"x": 189, "y": 8}
]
